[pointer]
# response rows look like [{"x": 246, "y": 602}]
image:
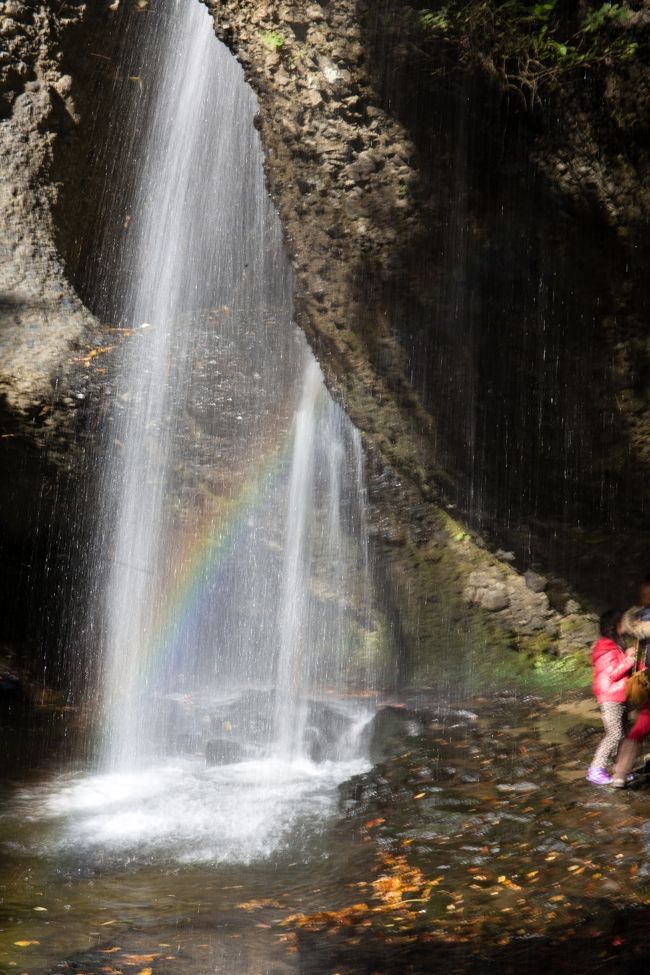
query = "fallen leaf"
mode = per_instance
[
  {"x": 93, "y": 353},
  {"x": 254, "y": 905},
  {"x": 26, "y": 944}
]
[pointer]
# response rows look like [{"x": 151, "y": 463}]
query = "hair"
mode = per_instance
[{"x": 609, "y": 623}]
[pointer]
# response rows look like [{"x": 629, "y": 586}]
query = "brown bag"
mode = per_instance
[{"x": 637, "y": 689}]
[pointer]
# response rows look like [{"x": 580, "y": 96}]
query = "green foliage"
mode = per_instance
[
  {"x": 526, "y": 45},
  {"x": 435, "y": 21},
  {"x": 596, "y": 19},
  {"x": 273, "y": 40}
]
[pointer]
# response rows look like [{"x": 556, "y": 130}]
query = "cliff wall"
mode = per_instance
[{"x": 470, "y": 273}]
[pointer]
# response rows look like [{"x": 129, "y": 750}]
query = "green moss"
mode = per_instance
[
  {"x": 273, "y": 40},
  {"x": 461, "y": 650}
]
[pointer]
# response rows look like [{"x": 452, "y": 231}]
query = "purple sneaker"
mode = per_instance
[{"x": 598, "y": 776}]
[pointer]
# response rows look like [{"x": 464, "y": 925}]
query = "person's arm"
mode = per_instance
[{"x": 621, "y": 667}]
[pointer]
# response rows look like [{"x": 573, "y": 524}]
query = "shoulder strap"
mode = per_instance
[{"x": 640, "y": 654}]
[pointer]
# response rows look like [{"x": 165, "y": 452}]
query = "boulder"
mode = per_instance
[
  {"x": 389, "y": 729},
  {"x": 535, "y": 581},
  {"x": 223, "y": 751}
]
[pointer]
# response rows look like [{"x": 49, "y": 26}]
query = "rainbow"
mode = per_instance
[{"x": 205, "y": 543}]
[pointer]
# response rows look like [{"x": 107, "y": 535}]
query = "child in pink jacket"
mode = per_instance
[{"x": 612, "y": 666}]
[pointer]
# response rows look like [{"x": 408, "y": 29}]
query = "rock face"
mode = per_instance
[
  {"x": 43, "y": 321},
  {"x": 45, "y": 329},
  {"x": 460, "y": 259},
  {"x": 469, "y": 275}
]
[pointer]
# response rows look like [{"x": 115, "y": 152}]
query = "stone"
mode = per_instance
[
  {"x": 481, "y": 579},
  {"x": 314, "y": 12},
  {"x": 312, "y": 98},
  {"x": 363, "y": 166},
  {"x": 223, "y": 751},
  {"x": 517, "y": 787},
  {"x": 494, "y": 600},
  {"x": 8, "y": 27},
  {"x": 577, "y": 630},
  {"x": 535, "y": 581},
  {"x": 488, "y": 591},
  {"x": 388, "y": 731}
]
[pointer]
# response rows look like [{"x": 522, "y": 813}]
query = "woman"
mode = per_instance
[{"x": 612, "y": 666}]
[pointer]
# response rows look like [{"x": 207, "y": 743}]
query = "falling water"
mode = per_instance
[{"x": 237, "y": 596}]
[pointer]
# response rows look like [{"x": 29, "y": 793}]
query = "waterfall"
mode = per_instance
[{"x": 234, "y": 508}]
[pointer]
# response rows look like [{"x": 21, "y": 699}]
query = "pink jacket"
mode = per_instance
[{"x": 611, "y": 670}]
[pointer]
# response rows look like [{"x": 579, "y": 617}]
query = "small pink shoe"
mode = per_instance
[{"x": 598, "y": 776}]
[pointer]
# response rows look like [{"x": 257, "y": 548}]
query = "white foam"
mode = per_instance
[{"x": 187, "y": 812}]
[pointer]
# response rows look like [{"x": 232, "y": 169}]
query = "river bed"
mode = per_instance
[{"x": 475, "y": 841}]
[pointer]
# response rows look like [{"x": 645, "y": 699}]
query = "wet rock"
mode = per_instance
[
  {"x": 488, "y": 591},
  {"x": 577, "y": 630},
  {"x": 517, "y": 787},
  {"x": 389, "y": 730},
  {"x": 15, "y": 700},
  {"x": 554, "y": 845},
  {"x": 366, "y": 163},
  {"x": 494, "y": 600},
  {"x": 535, "y": 581},
  {"x": 223, "y": 751},
  {"x": 581, "y": 733},
  {"x": 326, "y": 729}
]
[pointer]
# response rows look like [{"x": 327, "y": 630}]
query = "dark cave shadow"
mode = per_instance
[
  {"x": 508, "y": 309},
  {"x": 612, "y": 941}
]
